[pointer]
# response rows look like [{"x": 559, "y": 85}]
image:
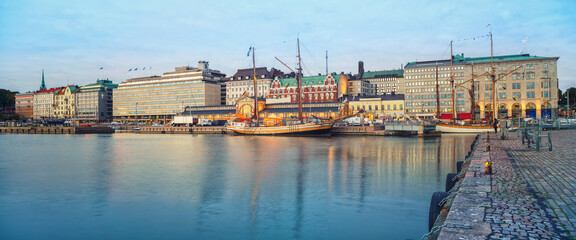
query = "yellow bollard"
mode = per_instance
[
  {"x": 488, "y": 168},
  {"x": 487, "y": 148}
]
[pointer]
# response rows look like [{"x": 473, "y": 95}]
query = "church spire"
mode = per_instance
[{"x": 43, "y": 86}]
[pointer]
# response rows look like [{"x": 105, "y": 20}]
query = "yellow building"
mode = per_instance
[
  {"x": 379, "y": 107},
  {"x": 65, "y": 102},
  {"x": 530, "y": 91}
]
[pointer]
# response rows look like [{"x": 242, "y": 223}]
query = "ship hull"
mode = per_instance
[
  {"x": 447, "y": 128},
  {"x": 293, "y": 130}
]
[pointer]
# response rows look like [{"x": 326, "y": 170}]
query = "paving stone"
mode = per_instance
[{"x": 530, "y": 195}]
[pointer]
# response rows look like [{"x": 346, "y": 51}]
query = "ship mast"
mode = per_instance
[
  {"x": 437, "y": 94},
  {"x": 452, "y": 85},
  {"x": 493, "y": 77},
  {"x": 255, "y": 87},
  {"x": 299, "y": 87}
]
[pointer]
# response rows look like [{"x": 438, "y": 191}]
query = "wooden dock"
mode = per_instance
[{"x": 56, "y": 130}]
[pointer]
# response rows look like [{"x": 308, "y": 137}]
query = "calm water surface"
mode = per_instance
[{"x": 131, "y": 186}]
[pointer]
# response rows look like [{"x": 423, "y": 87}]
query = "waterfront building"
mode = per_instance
[
  {"x": 314, "y": 89},
  {"x": 159, "y": 98},
  {"x": 390, "y": 106},
  {"x": 44, "y": 101},
  {"x": 241, "y": 83},
  {"x": 94, "y": 101},
  {"x": 385, "y": 81},
  {"x": 359, "y": 87},
  {"x": 65, "y": 102},
  {"x": 245, "y": 106},
  {"x": 530, "y": 91},
  {"x": 381, "y": 82},
  {"x": 24, "y": 105}
]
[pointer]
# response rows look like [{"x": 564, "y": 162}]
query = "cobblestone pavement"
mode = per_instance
[{"x": 533, "y": 193}]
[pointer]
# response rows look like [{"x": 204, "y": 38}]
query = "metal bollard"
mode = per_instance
[
  {"x": 488, "y": 168},
  {"x": 488, "y": 148}
]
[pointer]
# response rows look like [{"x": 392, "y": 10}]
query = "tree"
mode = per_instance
[
  {"x": 7, "y": 98},
  {"x": 563, "y": 97}
]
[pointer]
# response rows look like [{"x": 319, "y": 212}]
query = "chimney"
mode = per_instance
[
  {"x": 360, "y": 69},
  {"x": 203, "y": 65}
]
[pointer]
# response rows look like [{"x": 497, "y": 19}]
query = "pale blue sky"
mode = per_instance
[{"x": 71, "y": 40}]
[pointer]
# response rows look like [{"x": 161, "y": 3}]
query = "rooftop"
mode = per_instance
[{"x": 460, "y": 59}]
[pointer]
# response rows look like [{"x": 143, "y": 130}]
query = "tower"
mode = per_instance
[{"x": 43, "y": 86}]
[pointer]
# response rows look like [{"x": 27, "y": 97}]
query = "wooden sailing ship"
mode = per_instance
[
  {"x": 471, "y": 127},
  {"x": 239, "y": 124}
]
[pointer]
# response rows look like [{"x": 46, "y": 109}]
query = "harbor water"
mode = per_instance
[{"x": 137, "y": 186}]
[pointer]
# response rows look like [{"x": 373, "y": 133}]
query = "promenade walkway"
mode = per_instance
[{"x": 530, "y": 195}]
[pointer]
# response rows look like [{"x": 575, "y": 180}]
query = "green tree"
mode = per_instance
[{"x": 7, "y": 98}]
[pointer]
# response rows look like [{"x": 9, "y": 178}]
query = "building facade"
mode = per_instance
[
  {"x": 24, "y": 105},
  {"x": 314, "y": 89},
  {"x": 385, "y": 82},
  {"x": 526, "y": 86},
  {"x": 159, "y": 98},
  {"x": 379, "y": 107},
  {"x": 242, "y": 83},
  {"x": 44, "y": 102},
  {"x": 94, "y": 101},
  {"x": 65, "y": 102}
]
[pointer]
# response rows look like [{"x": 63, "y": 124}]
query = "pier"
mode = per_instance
[
  {"x": 529, "y": 195},
  {"x": 55, "y": 130}
]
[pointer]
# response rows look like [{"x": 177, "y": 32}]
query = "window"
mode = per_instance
[
  {"x": 545, "y": 93},
  {"x": 545, "y": 84},
  {"x": 545, "y": 65},
  {"x": 394, "y": 106},
  {"x": 488, "y": 87},
  {"x": 502, "y": 95},
  {"x": 530, "y": 95},
  {"x": 515, "y": 85},
  {"x": 530, "y": 85},
  {"x": 545, "y": 74}
]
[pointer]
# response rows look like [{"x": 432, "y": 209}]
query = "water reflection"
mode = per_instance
[{"x": 218, "y": 187}]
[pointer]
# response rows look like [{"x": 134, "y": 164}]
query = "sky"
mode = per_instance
[{"x": 78, "y": 42}]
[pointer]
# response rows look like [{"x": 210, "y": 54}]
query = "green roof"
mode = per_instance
[
  {"x": 384, "y": 73},
  {"x": 460, "y": 59},
  {"x": 307, "y": 81}
]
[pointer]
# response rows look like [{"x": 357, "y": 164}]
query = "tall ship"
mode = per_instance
[
  {"x": 239, "y": 124},
  {"x": 455, "y": 126}
]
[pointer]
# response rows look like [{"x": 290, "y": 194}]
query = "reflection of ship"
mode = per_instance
[
  {"x": 239, "y": 124},
  {"x": 472, "y": 126}
]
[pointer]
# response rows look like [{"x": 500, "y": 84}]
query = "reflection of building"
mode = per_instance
[
  {"x": 94, "y": 101},
  {"x": 158, "y": 98},
  {"x": 532, "y": 90},
  {"x": 65, "y": 102},
  {"x": 389, "y": 106},
  {"x": 24, "y": 105},
  {"x": 242, "y": 82},
  {"x": 314, "y": 89}
]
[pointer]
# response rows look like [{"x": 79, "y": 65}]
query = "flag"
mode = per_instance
[
  {"x": 523, "y": 73},
  {"x": 144, "y": 68},
  {"x": 249, "y": 49},
  {"x": 135, "y": 69},
  {"x": 130, "y": 70},
  {"x": 101, "y": 68},
  {"x": 488, "y": 25}
]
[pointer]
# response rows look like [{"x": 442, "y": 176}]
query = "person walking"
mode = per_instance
[{"x": 495, "y": 125}]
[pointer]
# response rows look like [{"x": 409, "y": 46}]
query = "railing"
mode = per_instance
[{"x": 532, "y": 135}]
